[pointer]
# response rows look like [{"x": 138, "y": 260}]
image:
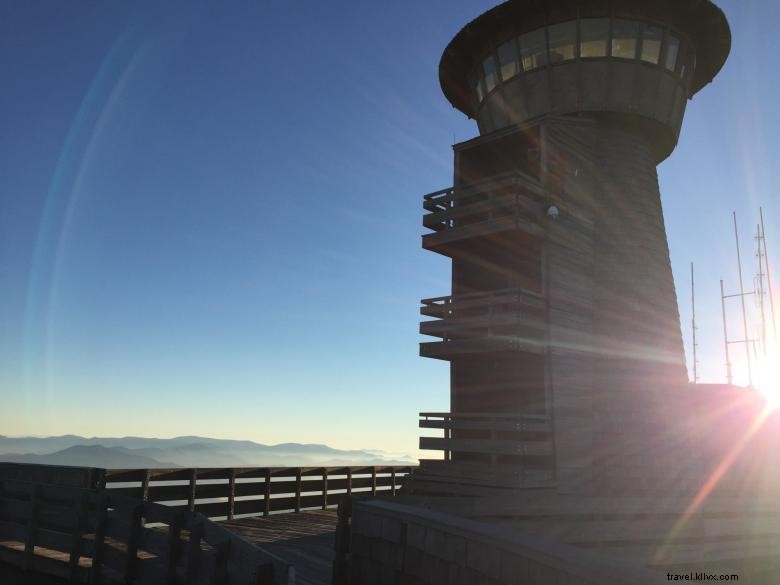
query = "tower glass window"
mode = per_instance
[
  {"x": 594, "y": 36},
  {"x": 491, "y": 74},
  {"x": 478, "y": 88},
  {"x": 507, "y": 59},
  {"x": 672, "y": 50},
  {"x": 652, "y": 38},
  {"x": 563, "y": 39},
  {"x": 533, "y": 49},
  {"x": 682, "y": 60},
  {"x": 624, "y": 38},
  {"x": 586, "y": 38}
]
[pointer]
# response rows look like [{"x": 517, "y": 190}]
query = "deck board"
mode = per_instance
[{"x": 304, "y": 540}]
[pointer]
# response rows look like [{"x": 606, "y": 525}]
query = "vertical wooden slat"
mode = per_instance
[
  {"x": 341, "y": 543},
  {"x": 324, "y": 488},
  {"x": 133, "y": 539},
  {"x": 193, "y": 485},
  {"x": 267, "y": 499},
  {"x": 79, "y": 528},
  {"x": 231, "y": 494},
  {"x": 96, "y": 574},
  {"x": 447, "y": 436},
  {"x": 174, "y": 548},
  {"x": 298, "y": 489},
  {"x": 373, "y": 480},
  {"x": 32, "y": 526},
  {"x": 145, "y": 485},
  {"x": 392, "y": 481},
  {"x": 102, "y": 479},
  {"x": 349, "y": 481},
  {"x": 194, "y": 552}
]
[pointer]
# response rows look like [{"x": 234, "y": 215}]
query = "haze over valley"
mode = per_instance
[{"x": 187, "y": 451}]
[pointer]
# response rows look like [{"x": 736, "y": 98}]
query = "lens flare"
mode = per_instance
[{"x": 767, "y": 377}]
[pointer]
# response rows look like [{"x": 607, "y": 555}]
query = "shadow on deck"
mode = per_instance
[{"x": 305, "y": 540}]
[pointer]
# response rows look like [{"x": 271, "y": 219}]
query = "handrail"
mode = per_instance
[
  {"x": 430, "y": 196},
  {"x": 493, "y": 435},
  {"x": 255, "y": 491},
  {"x": 460, "y": 316},
  {"x": 507, "y": 201},
  {"x": 477, "y": 184},
  {"x": 486, "y": 415},
  {"x": 487, "y": 295},
  {"x": 226, "y": 492}
]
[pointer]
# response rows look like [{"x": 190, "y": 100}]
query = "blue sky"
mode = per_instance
[{"x": 210, "y": 212}]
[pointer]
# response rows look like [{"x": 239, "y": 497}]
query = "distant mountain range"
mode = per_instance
[{"x": 140, "y": 452}]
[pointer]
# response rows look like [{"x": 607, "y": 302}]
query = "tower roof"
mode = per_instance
[{"x": 702, "y": 20}]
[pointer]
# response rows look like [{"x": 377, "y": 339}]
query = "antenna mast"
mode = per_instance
[
  {"x": 760, "y": 293},
  {"x": 742, "y": 299},
  {"x": 768, "y": 275},
  {"x": 729, "y": 375},
  {"x": 693, "y": 329}
]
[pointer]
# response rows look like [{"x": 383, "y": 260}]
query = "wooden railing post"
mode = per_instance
[
  {"x": 231, "y": 494},
  {"x": 102, "y": 479},
  {"x": 193, "y": 484},
  {"x": 193, "y": 550},
  {"x": 79, "y": 528},
  {"x": 349, "y": 481},
  {"x": 145, "y": 485},
  {"x": 267, "y": 499},
  {"x": 96, "y": 574},
  {"x": 133, "y": 539},
  {"x": 392, "y": 481},
  {"x": 174, "y": 548},
  {"x": 298, "y": 490},
  {"x": 32, "y": 526},
  {"x": 324, "y": 488},
  {"x": 373, "y": 480},
  {"x": 341, "y": 545},
  {"x": 447, "y": 436}
]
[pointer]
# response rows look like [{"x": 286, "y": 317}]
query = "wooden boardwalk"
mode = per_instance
[{"x": 305, "y": 540}]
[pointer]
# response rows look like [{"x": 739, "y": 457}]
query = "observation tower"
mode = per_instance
[{"x": 562, "y": 330}]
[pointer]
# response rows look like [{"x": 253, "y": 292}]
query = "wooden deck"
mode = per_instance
[{"x": 305, "y": 540}]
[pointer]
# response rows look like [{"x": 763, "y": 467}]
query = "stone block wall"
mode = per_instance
[{"x": 396, "y": 544}]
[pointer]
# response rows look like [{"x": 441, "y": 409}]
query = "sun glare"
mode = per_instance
[{"x": 767, "y": 378}]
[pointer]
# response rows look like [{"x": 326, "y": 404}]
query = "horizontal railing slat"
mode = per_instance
[
  {"x": 489, "y": 446},
  {"x": 212, "y": 509},
  {"x": 212, "y": 493},
  {"x": 488, "y": 425},
  {"x": 151, "y": 571},
  {"x": 154, "y": 541},
  {"x": 117, "y": 529},
  {"x": 53, "y": 540},
  {"x": 129, "y": 492},
  {"x": 12, "y": 531},
  {"x": 114, "y": 559},
  {"x": 15, "y": 510},
  {"x": 165, "y": 493}
]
